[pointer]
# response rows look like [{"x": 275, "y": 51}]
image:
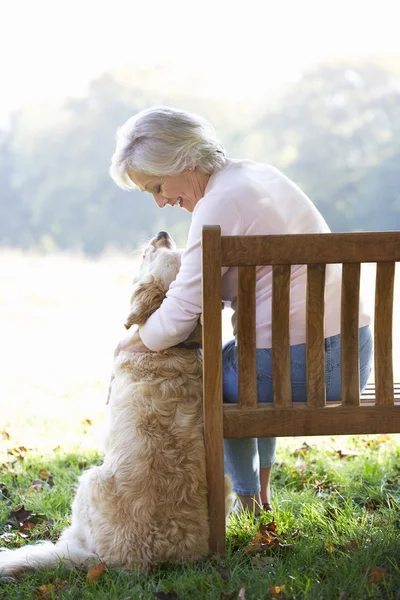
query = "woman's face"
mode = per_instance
[{"x": 183, "y": 190}]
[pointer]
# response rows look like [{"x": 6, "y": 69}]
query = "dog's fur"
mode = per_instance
[{"x": 147, "y": 502}]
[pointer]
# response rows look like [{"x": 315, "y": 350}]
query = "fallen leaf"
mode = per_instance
[
  {"x": 19, "y": 451},
  {"x": 44, "y": 591},
  {"x": 86, "y": 422},
  {"x": 242, "y": 593},
  {"x": 8, "y": 537},
  {"x": 44, "y": 474},
  {"x": 20, "y": 515},
  {"x": 329, "y": 547},
  {"x": 275, "y": 590},
  {"x": 304, "y": 449},
  {"x": 27, "y": 526},
  {"x": 51, "y": 590},
  {"x": 4, "y": 435},
  {"x": 345, "y": 454},
  {"x": 95, "y": 571},
  {"x": 372, "y": 504},
  {"x": 353, "y": 545},
  {"x": 374, "y": 574},
  {"x": 36, "y": 486},
  {"x": 383, "y": 437}
]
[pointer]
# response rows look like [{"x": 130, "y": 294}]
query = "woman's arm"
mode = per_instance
[{"x": 180, "y": 311}]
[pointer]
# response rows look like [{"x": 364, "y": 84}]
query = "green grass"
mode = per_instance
[
  {"x": 335, "y": 517},
  {"x": 60, "y": 318}
]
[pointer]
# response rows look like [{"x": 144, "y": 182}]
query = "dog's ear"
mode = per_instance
[{"x": 147, "y": 296}]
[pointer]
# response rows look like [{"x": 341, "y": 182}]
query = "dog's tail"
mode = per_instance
[{"x": 45, "y": 554}]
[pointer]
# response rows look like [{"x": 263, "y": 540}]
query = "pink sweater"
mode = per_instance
[{"x": 246, "y": 198}]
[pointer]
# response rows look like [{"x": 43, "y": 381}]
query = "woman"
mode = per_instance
[{"x": 176, "y": 157}]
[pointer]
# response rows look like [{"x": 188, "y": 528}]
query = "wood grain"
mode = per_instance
[
  {"x": 246, "y": 327},
  {"x": 315, "y": 344},
  {"x": 383, "y": 355},
  {"x": 311, "y": 248},
  {"x": 281, "y": 375},
  {"x": 270, "y": 421},
  {"x": 350, "y": 308},
  {"x": 212, "y": 385}
]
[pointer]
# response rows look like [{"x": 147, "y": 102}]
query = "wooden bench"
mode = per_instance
[{"x": 376, "y": 411}]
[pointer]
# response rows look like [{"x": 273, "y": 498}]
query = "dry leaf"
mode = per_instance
[
  {"x": 51, "y": 590},
  {"x": 4, "y": 435},
  {"x": 374, "y": 574},
  {"x": 8, "y": 536},
  {"x": 329, "y": 547},
  {"x": 44, "y": 591},
  {"x": 19, "y": 451},
  {"x": 27, "y": 526},
  {"x": 36, "y": 486},
  {"x": 383, "y": 437},
  {"x": 275, "y": 590},
  {"x": 44, "y": 474},
  {"x": 353, "y": 545},
  {"x": 20, "y": 515},
  {"x": 86, "y": 422},
  {"x": 242, "y": 593},
  {"x": 304, "y": 449},
  {"x": 95, "y": 571}
]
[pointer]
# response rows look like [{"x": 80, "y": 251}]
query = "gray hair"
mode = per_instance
[{"x": 165, "y": 141}]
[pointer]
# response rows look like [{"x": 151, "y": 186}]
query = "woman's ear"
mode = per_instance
[{"x": 147, "y": 296}]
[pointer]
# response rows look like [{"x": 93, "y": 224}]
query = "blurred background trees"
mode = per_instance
[{"x": 335, "y": 132}]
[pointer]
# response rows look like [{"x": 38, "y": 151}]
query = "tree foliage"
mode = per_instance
[{"x": 335, "y": 133}]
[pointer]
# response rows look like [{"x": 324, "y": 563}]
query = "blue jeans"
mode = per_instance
[{"x": 244, "y": 457}]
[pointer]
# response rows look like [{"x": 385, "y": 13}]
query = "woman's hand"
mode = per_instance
[{"x": 131, "y": 342}]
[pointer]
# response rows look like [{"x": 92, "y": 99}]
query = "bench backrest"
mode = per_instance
[
  {"x": 315, "y": 251},
  {"x": 282, "y": 417}
]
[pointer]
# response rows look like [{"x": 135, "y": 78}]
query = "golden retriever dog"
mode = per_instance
[{"x": 147, "y": 502}]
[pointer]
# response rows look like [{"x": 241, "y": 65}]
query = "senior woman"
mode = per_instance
[{"x": 176, "y": 157}]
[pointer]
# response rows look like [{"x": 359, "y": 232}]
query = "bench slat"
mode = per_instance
[
  {"x": 268, "y": 420},
  {"x": 316, "y": 392},
  {"x": 247, "y": 337},
  {"x": 212, "y": 384},
  {"x": 350, "y": 307},
  {"x": 311, "y": 248},
  {"x": 384, "y": 290},
  {"x": 281, "y": 376}
]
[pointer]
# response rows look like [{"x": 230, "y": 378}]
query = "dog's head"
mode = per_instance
[{"x": 160, "y": 266}]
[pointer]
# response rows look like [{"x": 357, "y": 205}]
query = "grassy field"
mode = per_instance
[{"x": 336, "y": 501}]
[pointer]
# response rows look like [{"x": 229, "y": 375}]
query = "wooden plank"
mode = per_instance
[
  {"x": 311, "y": 248},
  {"x": 268, "y": 421},
  {"x": 350, "y": 308},
  {"x": 212, "y": 385},
  {"x": 316, "y": 387},
  {"x": 383, "y": 327},
  {"x": 246, "y": 327},
  {"x": 281, "y": 375}
]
